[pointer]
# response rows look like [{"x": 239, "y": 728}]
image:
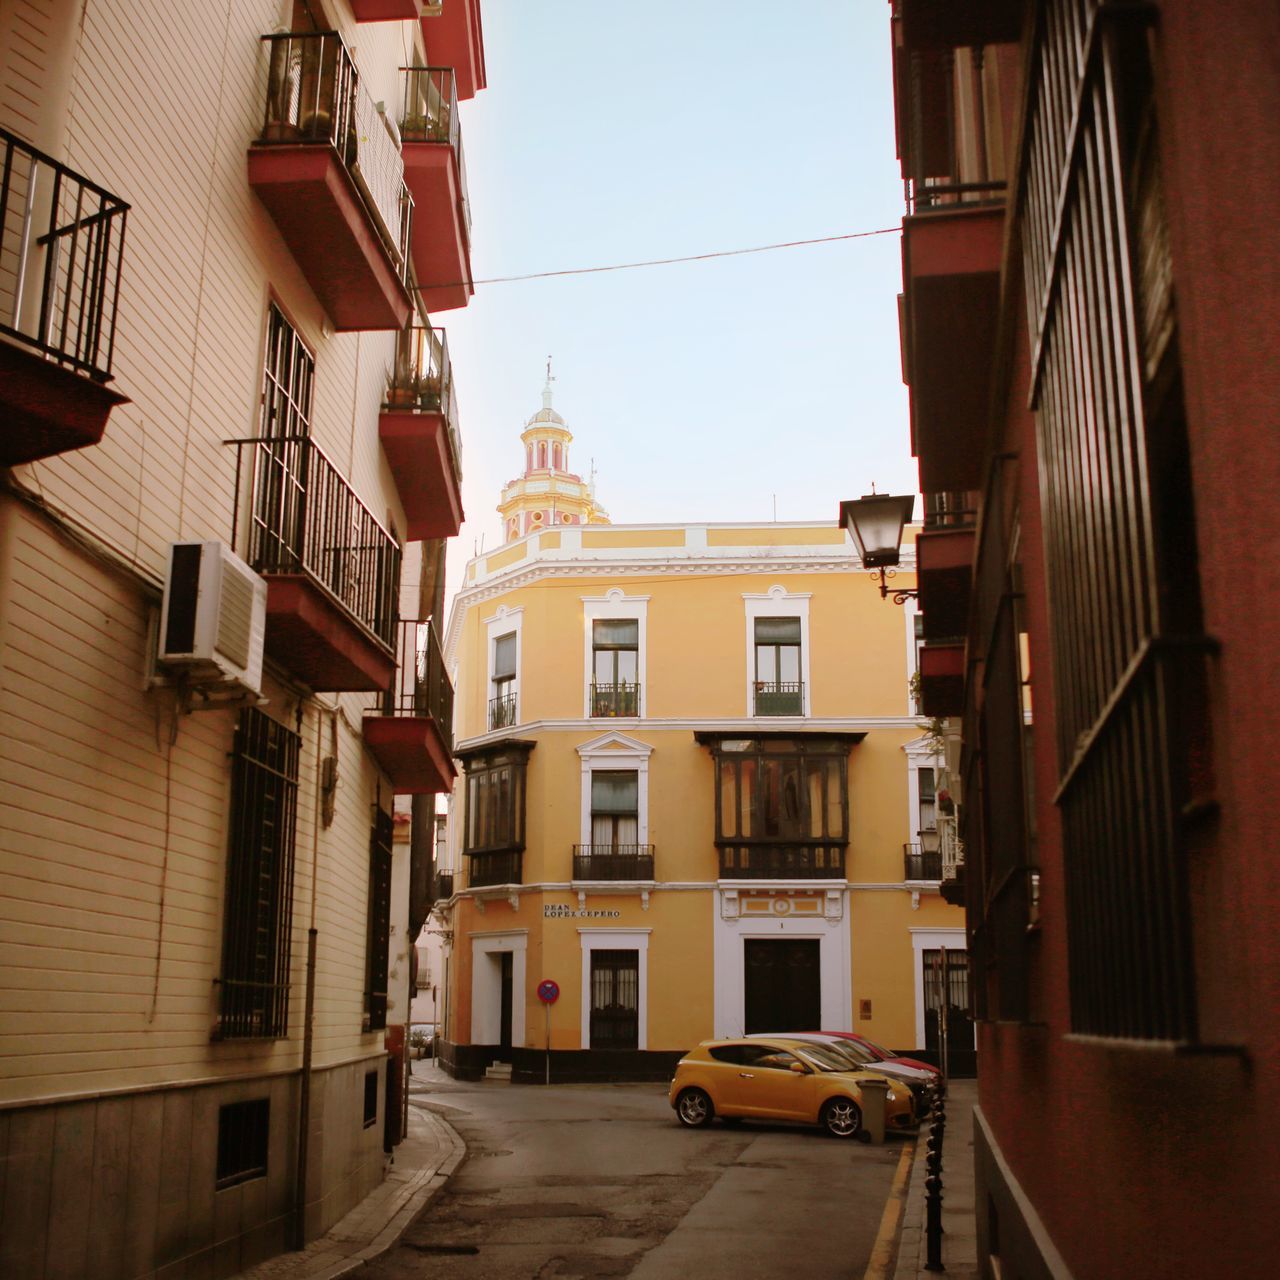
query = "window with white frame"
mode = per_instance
[
  {"x": 614, "y": 634},
  {"x": 778, "y": 653},
  {"x": 503, "y": 637},
  {"x": 615, "y": 824}
]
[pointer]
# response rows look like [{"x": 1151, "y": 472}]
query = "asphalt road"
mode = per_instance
[{"x": 600, "y": 1181}]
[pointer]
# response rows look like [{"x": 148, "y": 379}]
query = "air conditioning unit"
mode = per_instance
[{"x": 213, "y": 617}]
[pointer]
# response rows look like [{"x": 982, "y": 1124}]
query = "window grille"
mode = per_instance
[
  {"x": 615, "y": 999},
  {"x": 258, "y": 917},
  {"x": 1128, "y": 651},
  {"x": 377, "y": 958}
]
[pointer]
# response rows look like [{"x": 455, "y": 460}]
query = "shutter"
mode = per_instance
[
  {"x": 504, "y": 657},
  {"x": 614, "y": 792},
  {"x": 777, "y": 631}
]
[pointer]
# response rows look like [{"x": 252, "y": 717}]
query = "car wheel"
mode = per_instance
[
  {"x": 694, "y": 1109},
  {"x": 841, "y": 1118}
]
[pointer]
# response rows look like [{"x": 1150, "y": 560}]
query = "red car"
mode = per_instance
[{"x": 881, "y": 1054}]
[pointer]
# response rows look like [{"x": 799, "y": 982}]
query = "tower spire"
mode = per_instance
[{"x": 546, "y": 391}]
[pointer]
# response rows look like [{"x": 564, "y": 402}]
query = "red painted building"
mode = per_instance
[{"x": 1091, "y": 299}]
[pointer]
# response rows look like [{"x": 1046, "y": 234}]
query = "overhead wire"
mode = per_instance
[{"x": 665, "y": 262}]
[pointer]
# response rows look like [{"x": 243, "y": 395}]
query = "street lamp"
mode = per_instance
[{"x": 875, "y": 521}]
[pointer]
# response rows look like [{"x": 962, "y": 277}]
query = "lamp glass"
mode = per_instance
[{"x": 876, "y": 522}]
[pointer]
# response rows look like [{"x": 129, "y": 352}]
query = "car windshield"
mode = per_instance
[
  {"x": 824, "y": 1057},
  {"x": 878, "y": 1050}
]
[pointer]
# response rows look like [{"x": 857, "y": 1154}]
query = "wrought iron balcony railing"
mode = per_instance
[
  {"x": 950, "y": 846},
  {"x": 431, "y": 115},
  {"x": 421, "y": 686},
  {"x": 797, "y": 860},
  {"x": 502, "y": 711},
  {"x": 920, "y": 863},
  {"x": 314, "y": 95},
  {"x": 779, "y": 698},
  {"x": 955, "y": 510},
  {"x": 621, "y": 699},
  {"x": 304, "y": 518},
  {"x": 422, "y": 380},
  {"x": 494, "y": 868},
  {"x": 613, "y": 862},
  {"x": 932, "y": 195},
  {"x": 443, "y": 885},
  {"x": 61, "y": 243}
]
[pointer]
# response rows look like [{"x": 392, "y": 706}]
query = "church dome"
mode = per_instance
[{"x": 546, "y": 414}]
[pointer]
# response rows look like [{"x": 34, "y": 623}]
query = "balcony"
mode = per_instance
[
  {"x": 332, "y": 570},
  {"x": 443, "y": 886},
  {"x": 942, "y": 679},
  {"x": 453, "y": 37},
  {"x": 946, "y": 24},
  {"x": 436, "y": 171},
  {"x": 613, "y": 862},
  {"x": 921, "y": 863},
  {"x": 386, "y": 10},
  {"x": 61, "y": 244},
  {"x": 494, "y": 868},
  {"x": 419, "y": 434},
  {"x": 944, "y": 563},
  {"x": 502, "y": 711},
  {"x": 620, "y": 699},
  {"x": 330, "y": 174},
  {"x": 410, "y": 731},
  {"x": 812, "y": 860},
  {"x": 779, "y": 698}
]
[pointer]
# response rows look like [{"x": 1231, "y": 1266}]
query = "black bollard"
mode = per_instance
[{"x": 933, "y": 1223}]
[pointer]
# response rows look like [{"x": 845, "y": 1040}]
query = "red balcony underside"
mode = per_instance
[
  {"x": 46, "y": 409},
  {"x": 944, "y": 575},
  {"x": 455, "y": 39},
  {"x": 441, "y": 252},
  {"x": 417, "y": 447},
  {"x": 942, "y": 679},
  {"x": 331, "y": 235},
  {"x": 946, "y": 24},
  {"x": 951, "y": 269},
  {"x": 386, "y": 10},
  {"x": 412, "y": 753},
  {"x": 319, "y": 642}
]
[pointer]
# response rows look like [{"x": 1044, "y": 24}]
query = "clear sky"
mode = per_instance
[{"x": 611, "y": 133}]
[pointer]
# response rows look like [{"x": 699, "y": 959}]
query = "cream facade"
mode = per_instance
[
  {"x": 690, "y": 798},
  {"x": 197, "y": 863}
]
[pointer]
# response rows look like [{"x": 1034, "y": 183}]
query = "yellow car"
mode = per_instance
[{"x": 778, "y": 1079}]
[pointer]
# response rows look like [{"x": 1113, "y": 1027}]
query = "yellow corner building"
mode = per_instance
[{"x": 694, "y": 796}]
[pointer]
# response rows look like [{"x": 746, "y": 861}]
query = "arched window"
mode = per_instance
[
  {"x": 555, "y": 456},
  {"x": 542, "y": 454},
  {"x": 529, "y": 463}
]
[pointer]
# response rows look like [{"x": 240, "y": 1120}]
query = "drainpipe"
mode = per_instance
[{"x": 308, "y": 1017}]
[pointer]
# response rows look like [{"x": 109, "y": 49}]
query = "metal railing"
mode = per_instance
[
  {"x": 950, "y": 510},
  {"x": 431, "y": 115},
  {"x": 502, "y": 711},
  {"x": 920, "y": 863},
  {"x": 613, "y": 862},
  {"x": 422, "y": 380},
  {"x": 620, "y": 699},
  {"x": 494, "y": 868},
  {"x": 929, "y": 195},
  {"x": 815, "y": 860},
  {"x": 443, "y": 885},
  {"x": 421, "y": 686},
  {"x": 950, "y": 846},
  {"x": 314, "y": 95},
  {"x": 304, "y": 518},
  {"x": 779, "y": 698},
  {"x": 61, "y": 245}
]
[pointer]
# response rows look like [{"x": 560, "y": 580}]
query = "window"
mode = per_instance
[
  {"x": 257, "y": 920},
  {"x": 371, "y": 1098},
  {"x": 287, "y": 381},
  {"x": 779, "y": 690},
  {"x": 927, "y": 812},
  {"x": 615, "y": 999},
  {"x": 378, "y": 935},
  {"x": 493, "y": 835},
  {"x": 614, "y": 805},
  {"x": 243, "y": 1131},
  {"x": 615, "y": 667},
  {"x": 502, "y": 703},
  {"x": 781, "y": 806}
]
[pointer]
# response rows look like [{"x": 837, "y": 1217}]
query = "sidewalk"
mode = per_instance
[
  {"x": 430, "y": 1152},
  {"x": 959, "y": 1238}
]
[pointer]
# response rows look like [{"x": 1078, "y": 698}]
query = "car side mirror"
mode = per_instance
[{"x": 799, "y": 1068}]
